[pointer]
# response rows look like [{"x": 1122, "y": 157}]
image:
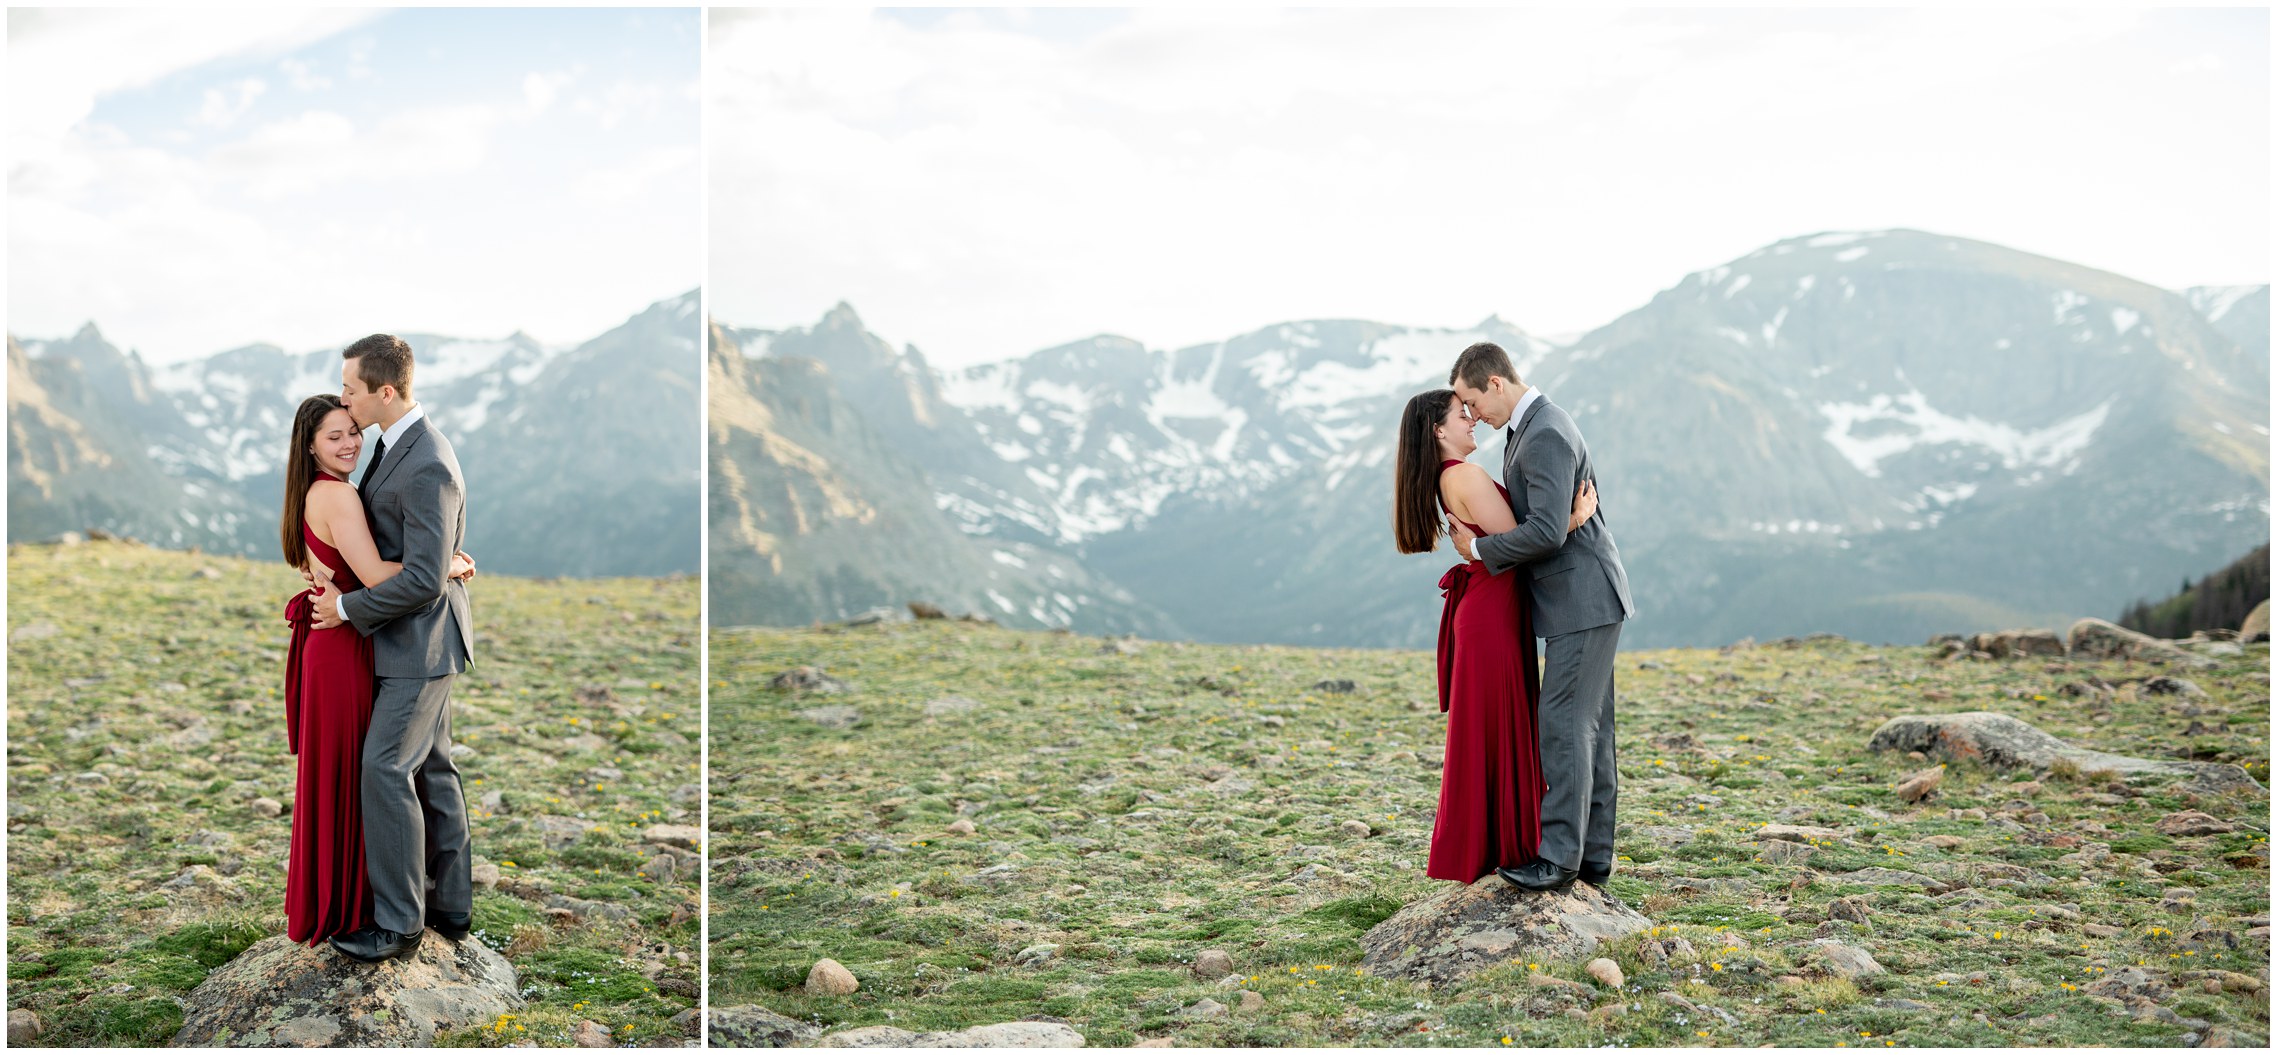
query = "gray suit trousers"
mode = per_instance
[
  {"x": 1574, "y": 725},
  {"x": 414, "y": 810}
]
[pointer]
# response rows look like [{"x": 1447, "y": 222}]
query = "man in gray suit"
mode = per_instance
[
  {"x": 1581, "y": 596},
  {"x": 415, "y": 823}
]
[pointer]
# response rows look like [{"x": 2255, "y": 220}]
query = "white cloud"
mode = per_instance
[
  {"x": 539, "y": 90},
  {"x": 309, "y": 223},
  {"x": 985, "y": 188},
  {"x": 303, "y": 77},
  {"x": 223, "y": 106}
]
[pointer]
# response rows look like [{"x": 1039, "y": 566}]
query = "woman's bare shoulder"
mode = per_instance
[{"x": 1465, "y": 474}]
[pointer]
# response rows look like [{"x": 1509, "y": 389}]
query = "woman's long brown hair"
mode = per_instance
[
  {"x": 1415, "y": 479},
  {"x": 300, "y": 472}
]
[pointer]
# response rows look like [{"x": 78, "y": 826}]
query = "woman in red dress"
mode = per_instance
[
  {"x": 1490, "y": 784},
  {"x": 328, "y": 675}
]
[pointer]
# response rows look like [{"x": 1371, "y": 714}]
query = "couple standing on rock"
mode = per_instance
[
  {"x": 1527, "y": 789},
  {"x": 379, "y": 836}
]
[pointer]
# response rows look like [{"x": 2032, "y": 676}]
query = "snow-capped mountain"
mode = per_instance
[
  {"x": 1881, "y": 434},
  {"x": 215, "y": 429},
  {"x": 817, "y": 513}
]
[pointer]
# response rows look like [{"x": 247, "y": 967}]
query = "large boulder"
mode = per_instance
[
  {"x": 280, "y": 993},
  {"x": 752, "y": 1026},
  {"x": 2006, "y": 743},
  {"x": 1465, "y": 929},
  {"x": 2096, "y": 639},
  {"x": 2256, "y": 625}
]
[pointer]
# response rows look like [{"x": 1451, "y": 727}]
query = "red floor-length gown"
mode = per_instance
[
  {"x": 1490, "y": 786},
  {"x": 328, "y": 705}
]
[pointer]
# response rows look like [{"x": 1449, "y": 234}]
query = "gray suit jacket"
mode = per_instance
[
  {"x": 1577, "y": 580},
  {"x": 418, "y": 620}
]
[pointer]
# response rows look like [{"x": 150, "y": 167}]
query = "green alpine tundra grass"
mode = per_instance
[
  {"x": 985, "y": 825},
  {"x": 146, "y": 724}
]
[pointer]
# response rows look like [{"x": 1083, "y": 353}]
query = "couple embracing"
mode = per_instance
[
  {"x": 1527, "y": 789},
  {"x": 379, "y": 829}
]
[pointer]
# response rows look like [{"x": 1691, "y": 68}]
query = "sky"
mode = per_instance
[
  {"x": 198, "y": 181},
  {"x": 984, "y": 184}
]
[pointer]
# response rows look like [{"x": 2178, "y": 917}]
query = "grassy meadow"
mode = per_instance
[
  {"x": 146, "y": 721},
  {"x": 1132, "y": 804}
]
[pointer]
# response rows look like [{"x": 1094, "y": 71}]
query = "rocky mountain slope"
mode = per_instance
[
  {"x": 1881, "y": 434},
  {"x": 580, "y": 460}
]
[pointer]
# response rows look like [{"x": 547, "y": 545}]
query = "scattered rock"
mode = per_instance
[
  {"x": 1851, "y": 909},
  {"x": 33, "y": 632},
  {"x": 687, "y": 835},
  {"x": 1945, "y": 842},
  {"x": 2192, "y": 822},
  {"x": 880, "y": 614},
  {"x": 1335, "y": 686},
  {"x": 1797, "y": 833},
  {"x": 2102, "y": 930},
  {"x": 1606, "y": 972},
  {"x": 2017, "y": 644},
  {"x": 999, "y": 1035},
  {"x": 2005, "y": 742},
  {"x": 281, "y": 993},
  {"x": 1213, "y": 963},
  {"x": 834, "y": 716},
  {"x": 963, "y": 826},
  {"x": 1204, "y": 1008},
  {"x": 591, "y": 1034},
  {"x": 1465, "y": 929},
  {"x": 1035, "y": 954},
  {"x": 1920, "y": 785},
  {"x": 1659, "y": 952},
  {"x": 2167, "y": 686},
  {"x": 1781, "y": 852},
  {"x": 267, "y": 807},
  {"x": 830, "y": 978},
  {"x": 1356, "y": 829},
  {"x": 806, "y": 679},
  {"x": 1844, "y": 961},
  {"x": 2098, "y": 639},
  {"x": 23, "y": 1027},
  {"x": 201, "y": 885},
  {"x": 752, "y": 1026}
]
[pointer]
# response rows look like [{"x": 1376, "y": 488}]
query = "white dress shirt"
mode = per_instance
[
  {"x": 1510, "y": 436},
  {"x": 389, "y": 437}
]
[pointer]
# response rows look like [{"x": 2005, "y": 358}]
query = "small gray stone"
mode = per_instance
[
  {"x": 23, "y": 1027},
  {"x": 1213, "y": 963}
]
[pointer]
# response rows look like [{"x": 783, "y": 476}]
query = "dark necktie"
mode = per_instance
[{"x": 364, "y": 486}]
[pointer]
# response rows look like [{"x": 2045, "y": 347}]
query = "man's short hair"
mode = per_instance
[
  {"x": 1477, "y": 363},
  {"x": 383, "y": 359}
]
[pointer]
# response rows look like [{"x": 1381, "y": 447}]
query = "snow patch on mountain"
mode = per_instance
[{"x": 1917, "y": 424}]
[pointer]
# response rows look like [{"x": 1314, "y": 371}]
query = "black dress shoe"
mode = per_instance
[
  {"x": 1539, "y": 875},
  {"x": 453, "y": 925},
  {"x": 374, "y": 944},
  {"x": 1595, "y": 875}
]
